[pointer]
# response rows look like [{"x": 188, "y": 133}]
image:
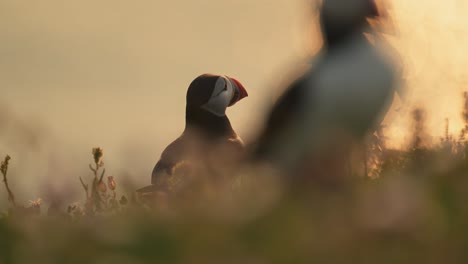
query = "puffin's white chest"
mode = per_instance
[{"x": 354, "y": 84}]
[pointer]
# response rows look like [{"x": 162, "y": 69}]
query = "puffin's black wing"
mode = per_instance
[
  {"x": 288, "y": 106},
  {"x": 171, "y": 156},
  {"x": 164, "y": 168}
]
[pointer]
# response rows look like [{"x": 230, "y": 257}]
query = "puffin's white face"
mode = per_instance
[{"x": 221, "y": 97}]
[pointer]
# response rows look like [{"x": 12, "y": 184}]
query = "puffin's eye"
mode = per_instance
[{"x": 225, "y": 86}]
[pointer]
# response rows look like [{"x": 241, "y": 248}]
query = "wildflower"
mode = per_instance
[
  {"x": 4, "y": 165},
  {"x": 4, "y": 170},
  {"x": 102, "y": 187},
  {"x": 123, "y": 200},
  {"x": 35, "y": 203},
  {"x": 111, "y": 183},
  {"x": 97, "y": 154},
  {"x": 71, "y": 208}
]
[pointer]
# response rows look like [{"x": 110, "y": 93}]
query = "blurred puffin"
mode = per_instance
[
  {"x": 340, "y": 98},
  {"x": 207, "y": 130}
]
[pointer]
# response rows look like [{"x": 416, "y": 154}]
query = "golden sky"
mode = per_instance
[{"x": 113, "y": 73}]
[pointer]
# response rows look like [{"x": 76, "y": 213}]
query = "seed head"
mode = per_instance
[
  {"x": 4, "y": 165},
  {"x": 97, "y": 154}
]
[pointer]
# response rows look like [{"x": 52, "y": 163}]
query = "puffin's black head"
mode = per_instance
[
  {"x": 214, "y": 93},
  {"x": 341, "y": 18}
]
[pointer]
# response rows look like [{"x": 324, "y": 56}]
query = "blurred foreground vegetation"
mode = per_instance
[{"x": 408, "y": 206}]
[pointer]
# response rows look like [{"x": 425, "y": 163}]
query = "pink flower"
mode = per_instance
[
  {"x": 102, "y": 187},
  {"x": 111, "y": 183}
]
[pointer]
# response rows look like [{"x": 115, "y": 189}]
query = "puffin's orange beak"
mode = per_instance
[{"x": 239, "y": 91}]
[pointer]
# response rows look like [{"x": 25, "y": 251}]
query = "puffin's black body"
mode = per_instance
[
  {"x": 344, "y": 93},
  {"x": 203, "y": 131},
  {"x": 280, "y": 116},
  {"x": 208, "y": 135}
]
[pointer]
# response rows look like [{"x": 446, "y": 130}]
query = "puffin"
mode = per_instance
[
  {"x": 208, "y": 143},
  {"x": 341, "y": 97}
]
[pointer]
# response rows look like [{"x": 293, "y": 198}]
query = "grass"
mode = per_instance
[{"x": 411, "y": 207}]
